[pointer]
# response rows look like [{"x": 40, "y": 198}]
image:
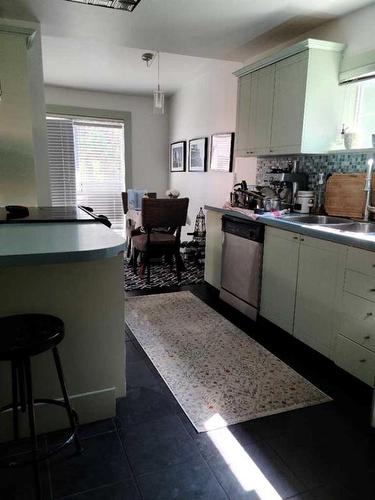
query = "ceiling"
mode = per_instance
[{"x": 85, "y": 45}]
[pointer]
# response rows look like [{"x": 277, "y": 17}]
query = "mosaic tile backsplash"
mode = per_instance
[{"x": 313, "y": 164}]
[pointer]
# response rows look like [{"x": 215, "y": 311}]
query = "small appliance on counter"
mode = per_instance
[
  {"x": 305, "y": 201},
  {"x": 243, "y": 197}
]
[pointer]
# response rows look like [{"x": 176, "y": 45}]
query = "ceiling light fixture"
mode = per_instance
[
  {"x": 159, "y": 95},
  {"x": 128, "y": 5}
]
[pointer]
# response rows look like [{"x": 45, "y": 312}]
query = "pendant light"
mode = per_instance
[{"x": 158, "y": 94}]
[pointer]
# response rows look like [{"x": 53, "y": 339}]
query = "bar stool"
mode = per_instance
[{"x": 21, "y": 337}]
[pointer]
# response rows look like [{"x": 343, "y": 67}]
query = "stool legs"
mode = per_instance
[
  {"x": 60, "y": 374},
  {"x": 31, "y": 415},
  {"x": 15, "y": 400}
]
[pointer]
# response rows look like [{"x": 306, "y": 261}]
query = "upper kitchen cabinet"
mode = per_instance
[{"x": 291, "y": 102}]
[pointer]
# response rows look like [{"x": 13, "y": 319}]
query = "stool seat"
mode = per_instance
[{"x": 24, "y": 335}]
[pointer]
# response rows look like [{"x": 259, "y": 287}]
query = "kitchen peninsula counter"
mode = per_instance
[{"x": 73, "y": 271}]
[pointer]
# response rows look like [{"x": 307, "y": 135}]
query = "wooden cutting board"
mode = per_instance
[{"x": 345, "y": 196}]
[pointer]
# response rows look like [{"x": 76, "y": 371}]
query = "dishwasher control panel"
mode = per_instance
[{"x": 248, "y": 229}]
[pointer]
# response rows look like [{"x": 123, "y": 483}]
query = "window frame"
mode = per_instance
[{"x": 100, "y": 114}]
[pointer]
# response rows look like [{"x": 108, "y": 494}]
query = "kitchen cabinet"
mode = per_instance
[
  {"x": 320, "y": 270},
  {"x": 279, "y": 277},
  {"x": 243, "y": 113},
  {"x": 290, "y": 102},
  {"x": 355, "y": 359},
  {"x": 322, "y": 293},
  {"x": 214, "y": 240}
]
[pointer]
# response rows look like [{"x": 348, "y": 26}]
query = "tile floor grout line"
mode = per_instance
[{"x": 133, "y": 475}]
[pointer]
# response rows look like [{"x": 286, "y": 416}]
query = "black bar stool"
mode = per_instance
[{"x": 21, "y": 337}]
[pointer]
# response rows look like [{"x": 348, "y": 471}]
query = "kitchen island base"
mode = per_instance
[{"x": 89, "y": 298}]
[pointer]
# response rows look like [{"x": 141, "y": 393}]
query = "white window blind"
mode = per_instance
[
  {"x": 98, "y": 156},
  {"x": 61, "y": 161}
]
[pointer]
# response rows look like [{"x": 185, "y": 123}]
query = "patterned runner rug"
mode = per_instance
[
  {"x": 218, "y": 374},
  {"x": 162, "y": 276}
]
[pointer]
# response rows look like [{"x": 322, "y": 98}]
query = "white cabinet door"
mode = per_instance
[
  {"x": 320, "y": 273},
  {"x": 279, "y": 279},
  {"x": 243, "y": 115},
  {"x": 214, "y": 241},
  {"x": 289, "y": 104},
  {"x": 355, "y": 359},
  {"x": 262, "y": 88}
]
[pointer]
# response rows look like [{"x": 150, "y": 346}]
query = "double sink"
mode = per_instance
[{"x": 334, "y": 223}]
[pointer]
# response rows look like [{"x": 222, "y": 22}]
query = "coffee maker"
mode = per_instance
[
  {"x": 286, "y": 182},
  {"x": 286, "y": 185}
]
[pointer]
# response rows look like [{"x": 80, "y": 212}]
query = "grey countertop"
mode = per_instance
[
  {"x": 57, "y": 242},
  {"x": 344, "y": 237}
]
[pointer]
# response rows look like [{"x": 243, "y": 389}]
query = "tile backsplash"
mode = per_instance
[{"x": 313, "y": 164}]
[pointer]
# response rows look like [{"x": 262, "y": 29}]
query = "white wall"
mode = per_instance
[
  {"x": 39, "y": 124},
  {"x": 149, "y": 144},
  {"x": 204, "y": 106}
]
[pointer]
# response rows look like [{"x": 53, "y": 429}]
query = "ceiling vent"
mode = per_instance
[{"x": 128, "y": 5}]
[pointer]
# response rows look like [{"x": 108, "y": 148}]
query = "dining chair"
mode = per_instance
[{"x": 159, "y": 213}]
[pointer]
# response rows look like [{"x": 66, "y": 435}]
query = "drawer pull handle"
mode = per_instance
[
  {"x": 362, "y": 361},
  {"x": 368, "y": 314},
  {"x": 295, "y": 237},
  {"x": 372, "y": 289},
  {"x": 367, "y": 337}
]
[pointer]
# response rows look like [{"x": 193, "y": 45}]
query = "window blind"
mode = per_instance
[
  {"x": 61, "y": 161},
  {"x": 96, "y": 175}
]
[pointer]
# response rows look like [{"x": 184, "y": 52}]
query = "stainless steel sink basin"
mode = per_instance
[
  {"x": 362, "y": 227},
  {"x": 320, "y": 220}
]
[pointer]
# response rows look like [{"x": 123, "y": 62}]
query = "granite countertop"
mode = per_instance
[
  {"x": 344, "y": 237},
  {"x": 60, "y": 242}
]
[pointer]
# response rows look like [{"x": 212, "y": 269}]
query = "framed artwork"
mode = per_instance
[
  {"x": 178, "y": 156},
  {"x": 198, "y": 155},
  {"x": 222, "y": 152}
]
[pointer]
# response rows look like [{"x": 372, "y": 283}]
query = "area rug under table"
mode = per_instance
[
  {"x": 218, "y": 374},
  {"x": 162, "y": 276}
]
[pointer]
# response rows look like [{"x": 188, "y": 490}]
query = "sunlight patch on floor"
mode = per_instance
[{"x": 240, "y": 463}]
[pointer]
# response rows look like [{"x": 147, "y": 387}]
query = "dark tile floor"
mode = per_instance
[{"x": 151, "y": 450}]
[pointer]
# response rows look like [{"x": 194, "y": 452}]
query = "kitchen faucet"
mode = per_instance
[{"x": 368, "y": 190}]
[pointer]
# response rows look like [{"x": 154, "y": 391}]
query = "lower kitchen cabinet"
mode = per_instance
[
  {"x": 214, "y": 241},
  {"x": 321, "y": 271},
  {"x": 355, "y": 359},
  {"x": 322, "y": 293},
  {"x": 280, "y": 266}
]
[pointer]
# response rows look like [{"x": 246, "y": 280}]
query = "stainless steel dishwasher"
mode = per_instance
[{"x": 241, "y": 263}]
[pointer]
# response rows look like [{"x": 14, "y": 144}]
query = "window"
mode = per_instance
[
  {"x": 359, "y": 112},
  {"x": 87, "y": 164}
]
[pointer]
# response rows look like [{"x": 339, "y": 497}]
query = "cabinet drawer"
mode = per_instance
[
  {"x": 282, "y": 233},
  {"x": 361, "y": 261},
  {"x": 355, "y": 359},
  {"x": 360, "y": 284},
  {"x": 357, "y": 320}
]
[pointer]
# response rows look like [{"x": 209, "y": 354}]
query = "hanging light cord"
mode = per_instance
[{"x": 158, "y": 71}]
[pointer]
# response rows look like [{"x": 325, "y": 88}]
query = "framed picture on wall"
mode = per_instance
[
  {"x": 177, "y": 159},
  {"x": 222, "y": 152},
  {"x": 198, "y": 155}
]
